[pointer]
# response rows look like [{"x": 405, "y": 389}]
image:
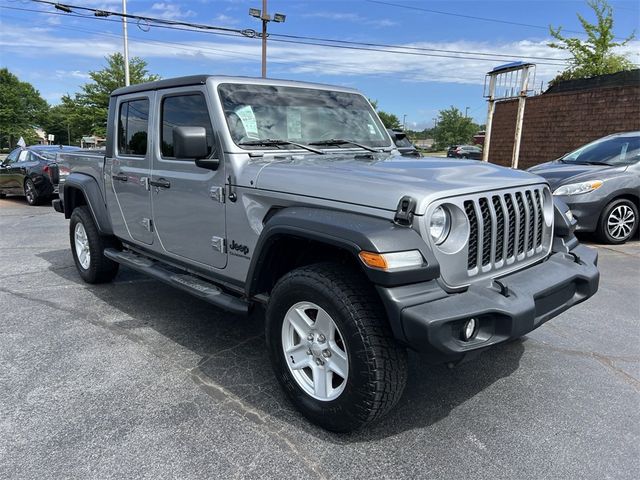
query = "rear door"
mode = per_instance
[
  {"x": 131, "y": 165},
  {"x": 188, "y": 201}
]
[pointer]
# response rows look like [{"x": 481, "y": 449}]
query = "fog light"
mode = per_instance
[{"x": 469, "y": 329}]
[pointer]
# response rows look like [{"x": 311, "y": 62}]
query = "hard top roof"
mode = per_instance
[{"x": 202, "y": 79}]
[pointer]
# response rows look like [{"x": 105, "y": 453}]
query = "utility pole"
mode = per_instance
[
  {"x": 68, "y": 133},
  {"x": 126, "y": 43},
  {"x": 265, "y": 18},
  {"x": 466, "y": 110}
]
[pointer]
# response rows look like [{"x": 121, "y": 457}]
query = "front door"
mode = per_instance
[
  {"x": 188, "y": 201},
  {"x": 131, "y": 166}
]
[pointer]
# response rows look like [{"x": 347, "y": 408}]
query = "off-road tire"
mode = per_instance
[
  {"x": 377, "y": 363},
  {"x": 31, "y": 193},
  {"x": 602, "y": 231},
  {"x": 101, "y": 269}
]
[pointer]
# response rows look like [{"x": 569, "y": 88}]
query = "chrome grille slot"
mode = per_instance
[{"x": 506, "y": 228}]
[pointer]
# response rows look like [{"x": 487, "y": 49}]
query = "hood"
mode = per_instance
[
  {"x": 383, "y": 181},
  {"x": 558, "y": 173}
]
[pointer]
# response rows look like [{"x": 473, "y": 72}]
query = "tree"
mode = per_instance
[
  {"x": 68, "y": 121},
  {"x": 593, "y": 56},
  {"x": 453, "y": 128},
  {"x": 389, "y": 119},
  {"x": 21, "y": 109},
  {"x": 95, "y": 95}
]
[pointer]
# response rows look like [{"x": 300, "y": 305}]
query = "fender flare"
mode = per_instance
[
  {"x": 89, "y": 187},
  {"x": 351, "y": 232}
]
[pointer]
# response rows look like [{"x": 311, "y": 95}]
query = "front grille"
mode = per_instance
[{"x": 505, "y": 228}]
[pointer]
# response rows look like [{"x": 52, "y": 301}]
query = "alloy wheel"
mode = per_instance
[
  {"x": 81, "y": 243},
  {"x": 621, "y": 222},
  {"x": 315, "y": 351}
]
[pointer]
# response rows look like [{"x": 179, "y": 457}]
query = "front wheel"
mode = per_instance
[
  {"x": 87, "y": 247},
  {"x": 331, "y": 347},
  {"x": 618, "y": 222}
]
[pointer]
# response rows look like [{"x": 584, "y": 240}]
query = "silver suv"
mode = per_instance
[{"x": 292, "y": 198}]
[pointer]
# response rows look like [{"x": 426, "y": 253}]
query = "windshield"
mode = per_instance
[
  {"x": 302, "y": 115},
  {"x": 609, "y": 151}
]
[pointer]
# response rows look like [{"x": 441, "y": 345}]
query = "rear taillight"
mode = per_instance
[{"x": 45, "y": 169}]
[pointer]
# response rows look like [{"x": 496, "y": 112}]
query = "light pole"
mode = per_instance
[
  {"x": 466, "y": 109},
  {"x": 126, "y": 43},
  {"x": 264, "y": 16},
  {"x": 404, "y": 122}
]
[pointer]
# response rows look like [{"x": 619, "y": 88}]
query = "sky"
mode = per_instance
[{"x": 55, "y": 51}]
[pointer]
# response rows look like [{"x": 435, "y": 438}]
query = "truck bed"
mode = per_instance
[{"x": 88, "y": 162}]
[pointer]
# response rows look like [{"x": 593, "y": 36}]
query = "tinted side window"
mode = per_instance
[
  {"x": 133, "y": 127},
  {"x": 184, "y": 111},
  {"x": 13, "y": 156}
]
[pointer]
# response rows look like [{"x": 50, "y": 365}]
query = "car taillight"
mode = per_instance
[{"x": 45, "y": 169}]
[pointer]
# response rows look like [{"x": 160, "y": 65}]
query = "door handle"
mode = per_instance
[
  {"x": 120, "y": 177},
  {"x": 161, "y": 182}
]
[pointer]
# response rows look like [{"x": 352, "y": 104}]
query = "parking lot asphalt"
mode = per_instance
[{"x": 136, "y": 379}]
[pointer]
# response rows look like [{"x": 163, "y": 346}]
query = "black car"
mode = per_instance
[
  {"x": 465, "y": 151},
  {"x": 403, "y": 144},
  {"x": 601, "y": 184},
  {"x": 32, "y": 172}
]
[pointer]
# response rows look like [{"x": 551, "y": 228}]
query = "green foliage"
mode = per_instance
[
  {"x": 68, "y": 121},
  {"x": 21, "y": 109},
  {"x": 94, "y": 98},
  {"x": 453, "y": 128},
  {"x": 593, "y": 56},
  {"x": 389, "y": 119}
]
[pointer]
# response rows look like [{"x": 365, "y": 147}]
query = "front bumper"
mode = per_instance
[
  {"x": 586, "y": 210},
  {"x": 428, "y": 319}
]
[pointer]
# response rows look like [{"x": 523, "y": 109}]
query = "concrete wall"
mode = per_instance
[{"x": 555, "y": 124}]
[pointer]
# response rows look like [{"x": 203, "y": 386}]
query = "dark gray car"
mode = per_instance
[{"x": 600, "y": 182}]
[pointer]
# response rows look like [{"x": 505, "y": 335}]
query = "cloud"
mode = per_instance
[
  {"x": 168, "y": 11},
  {"x": 223, "y": 19},
  {"x": 310, "y": 61},
  {"x": 351, "y": 17}
]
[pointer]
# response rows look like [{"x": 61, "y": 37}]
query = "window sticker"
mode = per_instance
[
  {"x": 294, "y": 123},
  {"x": 248, "y": 120}
]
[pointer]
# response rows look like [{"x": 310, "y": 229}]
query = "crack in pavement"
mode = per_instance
[
  {"x": 606, "y": 360},
  {"x": 246, "y": 411},
  {"x": 201, "y": 380}
]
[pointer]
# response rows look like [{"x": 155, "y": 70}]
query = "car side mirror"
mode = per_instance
[{"x": 191, "y": 142}]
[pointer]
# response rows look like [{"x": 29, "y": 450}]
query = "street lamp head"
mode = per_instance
[
  {"x": 255, "y": 12},
  {"x": 279, "y": 17}
]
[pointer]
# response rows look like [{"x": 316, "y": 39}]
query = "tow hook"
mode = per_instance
[
  {"x": 576, "y": 258},
  {"x": 504, "y": 290}
]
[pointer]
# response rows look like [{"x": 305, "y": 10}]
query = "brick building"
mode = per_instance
[{"x": 567, "y": 116}]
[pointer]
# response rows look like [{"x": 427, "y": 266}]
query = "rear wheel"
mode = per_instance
[
  {"x": 331, "y": 347},
  {"x": 618, "y": 222},
  {"x": 87, "y": 246},
  {"x": 31, "y": 192}
]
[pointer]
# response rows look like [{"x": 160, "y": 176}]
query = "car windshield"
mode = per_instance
[
  {"x": 274, "y": 113},
  {"x": 608, "y": 151}
]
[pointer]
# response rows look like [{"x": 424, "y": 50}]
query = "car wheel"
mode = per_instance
[
  {"x": 618, "y": 222},
  {"x": 87, "y": 246},
  {"x": 31, "y": 192},
  {"x": 464, "y": 157},
  {"x": 331, "y": 347}
]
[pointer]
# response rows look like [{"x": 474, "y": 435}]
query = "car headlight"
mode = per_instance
[
  {"x": 439, "y": 225},
  {"x": 578, "y": 188}
]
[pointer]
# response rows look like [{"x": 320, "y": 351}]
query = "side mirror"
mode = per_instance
[{"x": 191, "y": 142}]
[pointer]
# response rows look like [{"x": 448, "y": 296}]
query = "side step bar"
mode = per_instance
[{"x": 184, "y": 281}]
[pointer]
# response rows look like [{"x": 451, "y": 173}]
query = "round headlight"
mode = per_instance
[{"x": 439, "y": 225}]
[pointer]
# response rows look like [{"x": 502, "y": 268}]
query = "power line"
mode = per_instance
[
  {"x": 316, "y": 41},
  {"x": 472, "y": 17}
]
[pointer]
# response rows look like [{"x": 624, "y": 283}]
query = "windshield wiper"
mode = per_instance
[
  {"x": 269, "y": 142},
  {"x": 340, "y": 141},
  {"x": 595, "y": 162}
]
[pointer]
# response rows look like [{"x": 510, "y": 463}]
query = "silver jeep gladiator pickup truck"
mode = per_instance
[{"x": 292, "y": 196}]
